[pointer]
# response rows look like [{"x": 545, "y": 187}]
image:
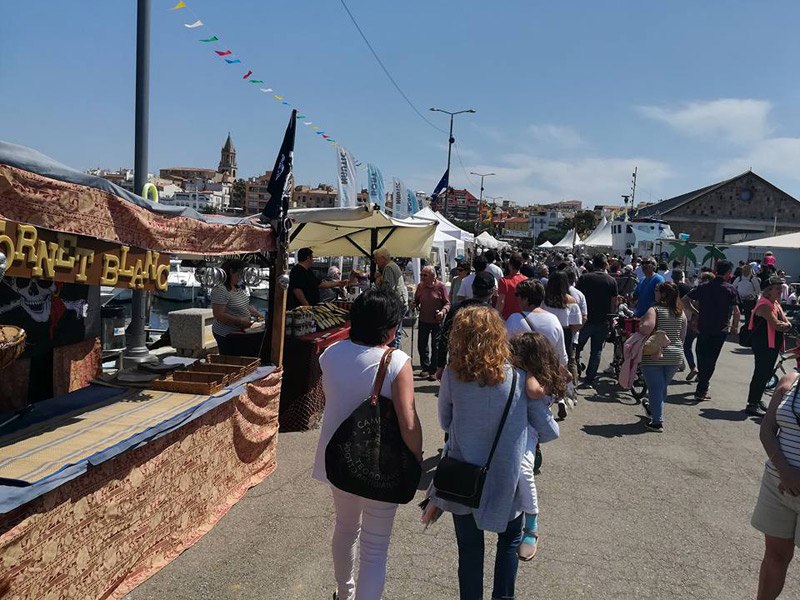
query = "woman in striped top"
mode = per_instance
[
  {"x": 233, "y": 313},
  {"x": 658, "y": 370},
  {"x": 777, "y": 512}
]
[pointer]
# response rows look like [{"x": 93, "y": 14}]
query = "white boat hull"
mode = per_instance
[{"x": 179, "y": 293}]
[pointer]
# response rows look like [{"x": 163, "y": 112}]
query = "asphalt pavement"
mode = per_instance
[{"x": 626, "y": 513}]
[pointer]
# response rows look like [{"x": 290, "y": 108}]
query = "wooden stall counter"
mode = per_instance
[{"x": 302, "y": 398}]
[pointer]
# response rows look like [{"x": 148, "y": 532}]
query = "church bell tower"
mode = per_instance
[{"x": 227, "y": 160}]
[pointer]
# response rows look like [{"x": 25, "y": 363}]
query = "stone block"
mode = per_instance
[{"x": 190, "y": 330}]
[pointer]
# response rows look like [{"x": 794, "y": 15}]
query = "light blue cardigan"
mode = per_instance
[{"x": 471, "y": 414}]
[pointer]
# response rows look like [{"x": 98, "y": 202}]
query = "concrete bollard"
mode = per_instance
[{"x": 190, "y": 331}]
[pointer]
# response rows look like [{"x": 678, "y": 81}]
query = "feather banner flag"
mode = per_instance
[
  {"x": 279, "y": 186},
  {"x": 197, "y": 23},
  {"x": 221, "y": 53},
  {"x": 399, "y": 199},
  {"x": 213, "y": 38},
  {"x": 246, "y": 75},
  {"x": 347, "y": 181},
  {"x": 375, "y": 186},
  {"x": 232, "y": 62},
  {"x": 178, "y": 6},
  {"x": 413, "y": 201}
]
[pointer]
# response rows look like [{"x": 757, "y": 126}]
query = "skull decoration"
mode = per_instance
[{"x": 35, "y": 296}]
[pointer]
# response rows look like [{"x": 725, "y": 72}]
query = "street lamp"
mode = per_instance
[
  {"x": 480, "y": 201},
  {"x": 450, "y": 146}
]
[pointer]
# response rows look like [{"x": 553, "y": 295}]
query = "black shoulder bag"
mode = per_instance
[
  {"x": 367, "y": 456},
  {"x": 462, "y": 482}
]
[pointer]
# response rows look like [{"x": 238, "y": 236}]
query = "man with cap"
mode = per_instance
[{"x": 483, "y": 287}]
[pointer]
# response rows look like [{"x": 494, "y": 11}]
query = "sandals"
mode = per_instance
[{"x": 527, "y": 551}]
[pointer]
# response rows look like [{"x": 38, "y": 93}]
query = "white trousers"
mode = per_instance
[
  {"x": 527, "y": 482},
  {"x": 370, "y": 523}
]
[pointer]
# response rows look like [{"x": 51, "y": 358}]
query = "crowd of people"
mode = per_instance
[{"x": 506, "y": 342}]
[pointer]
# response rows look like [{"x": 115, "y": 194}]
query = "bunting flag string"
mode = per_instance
[{"x": 227, "y": 52}]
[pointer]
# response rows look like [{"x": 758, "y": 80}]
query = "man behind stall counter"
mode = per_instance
[{"x": 303, "y": 283}]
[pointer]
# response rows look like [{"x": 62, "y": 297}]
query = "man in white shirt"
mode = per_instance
[
  {"x": 496, "y": 271},
  {"x": 465, "y": 290}
]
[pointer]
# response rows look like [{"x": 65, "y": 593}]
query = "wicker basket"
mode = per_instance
[
  {"x": 12, "y": 344},
  {"x": 189, "y": 382},
  {"x": 247, "y": 363}
]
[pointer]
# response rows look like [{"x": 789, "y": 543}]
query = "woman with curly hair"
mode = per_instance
[
  {"x": 475, "y": 388},
  {"x": 545, "y": 377}
]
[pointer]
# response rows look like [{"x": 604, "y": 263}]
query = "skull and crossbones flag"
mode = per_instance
[{"x": 280, "y": 181}]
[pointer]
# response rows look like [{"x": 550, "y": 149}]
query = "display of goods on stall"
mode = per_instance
[
  {"x": 304, "y": 320},
  {"x": 207, "y": 377}
]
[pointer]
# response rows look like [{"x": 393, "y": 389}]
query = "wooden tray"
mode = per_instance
[
  {"x": 248, "y": 363},
  {"x": 231, "y": 372},
  {"x": 189, "y": 382}
]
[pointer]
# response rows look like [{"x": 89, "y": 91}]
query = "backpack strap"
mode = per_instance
[{"x": 380, "y": 376}]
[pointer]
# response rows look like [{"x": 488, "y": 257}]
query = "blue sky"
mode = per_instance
[{"x": 571, "y": 96}]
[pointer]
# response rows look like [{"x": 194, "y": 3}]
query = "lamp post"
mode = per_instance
[
  {"x": 480, "y": 201},
  {"x": 136, "y": 351},
  {"x": 450, "y": 146}
]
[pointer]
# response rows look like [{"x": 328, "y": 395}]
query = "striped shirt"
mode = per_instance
[
  {"x": 237, "y": 304},
  {"x": 667, "y": 322},
  {"x": 789, "y": 430}
]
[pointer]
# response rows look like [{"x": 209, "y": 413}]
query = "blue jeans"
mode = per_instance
[
  {"x": 398, "y": 336},
  {"x": 470, "y": 559},
  {"x": 657, "y": 378},
  {"x": 596, "y": 332}
]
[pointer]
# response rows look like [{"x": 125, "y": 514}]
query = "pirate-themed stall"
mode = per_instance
[
  {"x": 357, "y": 232},
  {"x": 101, "y": 486}
]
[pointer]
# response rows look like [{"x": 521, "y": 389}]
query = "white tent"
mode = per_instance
[
  {"x": 448, "y": 247},
  {"x": 547, "y": 244},
  {"x": 567, "y": 240},
  {"x": 601, "y": 236},
  {"x": 445, "y": 225},
  {"x": 788, "y": 240},
  {"x": 359, "y": 232},
  {"x": 485, "y": 240}
]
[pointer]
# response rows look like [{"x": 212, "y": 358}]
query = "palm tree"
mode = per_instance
[
  {"x": 684, "y": 251},
  {"x": 715, "y": 253}
]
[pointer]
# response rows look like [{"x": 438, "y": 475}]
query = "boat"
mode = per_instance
[
  {"x": 115, "y": 295},
  {"x": 181, "y": 284}
]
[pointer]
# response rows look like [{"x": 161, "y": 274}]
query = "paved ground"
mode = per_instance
[{"x": 626, "y": 513}]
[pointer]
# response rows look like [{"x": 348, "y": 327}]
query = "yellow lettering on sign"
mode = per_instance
[
  {"x": 161, "y": 277},
  {"x": 137, "y": 279},
  {"x": 65, "y": 244},
  {"x": 46, "y": 255},
  {"x": 26, "y": 240},
  {"x": 151, "y": 264},
  {"x": 124, "y": 269},
  {"x": 110, "y": 274},
  {"x": 85, "y": 258},
  {"x": 8, "y": 243}
]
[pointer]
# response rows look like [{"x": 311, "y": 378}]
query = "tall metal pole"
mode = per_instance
[
  {"x": 449, "y": 151},
  {"x": 136, "y": 351}
]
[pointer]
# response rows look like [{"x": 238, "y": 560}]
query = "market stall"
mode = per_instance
[
  {"x": 354, "y": 232},
  {"x": 95, "y": 480}
]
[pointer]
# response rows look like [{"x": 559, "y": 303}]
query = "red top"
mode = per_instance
[
  {"x": 430, "y": 299},
  {"x": 508, "y": 286}
]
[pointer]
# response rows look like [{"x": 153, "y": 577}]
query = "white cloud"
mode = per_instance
[
  {"x": 527, "y": 178},
  {"x": 561, "y": 135},
  {"x": 736, "y": 120},
  {"x": 775, "y": 156}
]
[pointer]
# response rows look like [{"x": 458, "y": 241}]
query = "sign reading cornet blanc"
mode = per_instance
[{"x": 53, "y": 256}]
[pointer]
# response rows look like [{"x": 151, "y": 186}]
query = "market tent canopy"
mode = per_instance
[
  {"x": 445, "y": 225},
  {"x": 568, "y": 239},
  {"x": 486, "y": 240},
  {"x": 37, "y": 190},
  {"x": 359, "y": 232},
  {"x": 601, "y": 236},
  {"x": 547, "y": 244},
  {"x": 788, "y": 240}
]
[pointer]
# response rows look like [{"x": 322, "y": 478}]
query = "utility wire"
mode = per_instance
[
  {"x": 385, "y": 70},
  {"x": 461, "y": 162}
]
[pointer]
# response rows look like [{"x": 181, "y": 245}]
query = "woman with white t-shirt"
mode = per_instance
[
  {"x": 749, "y": 288},
  {"x": 348, "y": 373},
  {"x": 558, "y": 302}
]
